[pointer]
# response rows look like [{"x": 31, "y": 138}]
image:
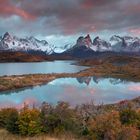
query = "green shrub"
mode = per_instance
[
  {"x": 29, "y": 122},
  {"x": 11, "y": 122},
  {"x": 60, "y": 118},
  {"x": 129, "y": 116},
  {"x": 8, "y": 119}
]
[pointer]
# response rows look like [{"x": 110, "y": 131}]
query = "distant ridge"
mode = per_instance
[{"x": 84, "y": 46}]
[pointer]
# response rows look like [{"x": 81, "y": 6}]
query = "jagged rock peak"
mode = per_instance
[
  {"x": 80, "y": 41},
  {"x": 88, "y": 37},
  {"x": 88, "y": 40},
  {"x": 6, "y": 35}
]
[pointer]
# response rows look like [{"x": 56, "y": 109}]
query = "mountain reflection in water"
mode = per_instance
[
  {"x": 73, "y": 90},
  {"x": 87, "y": 80}
]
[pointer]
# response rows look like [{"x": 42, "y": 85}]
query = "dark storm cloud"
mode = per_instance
[{"x": 67, "y": 17}]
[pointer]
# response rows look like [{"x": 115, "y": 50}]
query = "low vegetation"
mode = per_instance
[
  {"x": 87, "y": 122},
  {"x": 21, "y": 57}
]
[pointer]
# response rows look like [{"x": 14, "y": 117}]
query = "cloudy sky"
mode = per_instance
[{"x": 62, "y": 21}]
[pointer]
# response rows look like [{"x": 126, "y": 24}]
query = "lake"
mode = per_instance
[
  {"x": 39, "y": 67},
  {"x": 73, "y": 90}
]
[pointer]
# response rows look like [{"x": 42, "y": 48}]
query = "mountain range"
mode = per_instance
[{"x": 83, "y": 45}]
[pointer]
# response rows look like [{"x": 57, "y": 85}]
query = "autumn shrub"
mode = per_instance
[
  {"x": 128, "y": 133},
  {"x": 105, "y": 126},
  {"x": 29, "y": 122}
]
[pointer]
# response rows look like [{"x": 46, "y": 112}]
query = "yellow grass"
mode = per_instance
[{"x": 5, "y": 135}]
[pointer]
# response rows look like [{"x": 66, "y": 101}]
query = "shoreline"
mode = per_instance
[{"x": 14, "y": 82}]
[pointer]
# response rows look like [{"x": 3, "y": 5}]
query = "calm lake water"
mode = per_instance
[
  {"x": 73, "y": 90},
  {"x": 39, "y": 67}
]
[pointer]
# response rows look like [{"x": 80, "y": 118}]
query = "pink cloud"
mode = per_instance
[
  {"x": 134, "y": 88},
  {"x": 28, "y": 101},
  {"x": 87, "y": 4},
  {"x": 135, "y": 31},
  {"x": 8, "y": 9}
]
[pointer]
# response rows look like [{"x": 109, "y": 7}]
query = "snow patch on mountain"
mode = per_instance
[{"x": 101, "y": 45}]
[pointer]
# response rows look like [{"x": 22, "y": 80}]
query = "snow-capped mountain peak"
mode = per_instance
[
  {"x": 84, "y": 41},
  {"x": 6, "y": 36},
  {"x": 115, "y": 37},
  {"x": 101, "y": 45},
  {"x": 97, "y": 44},
  {"x": 125, "y": 43},
  {"x": 88, "y": 41},
  {"x": 13, "y": 43}
]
